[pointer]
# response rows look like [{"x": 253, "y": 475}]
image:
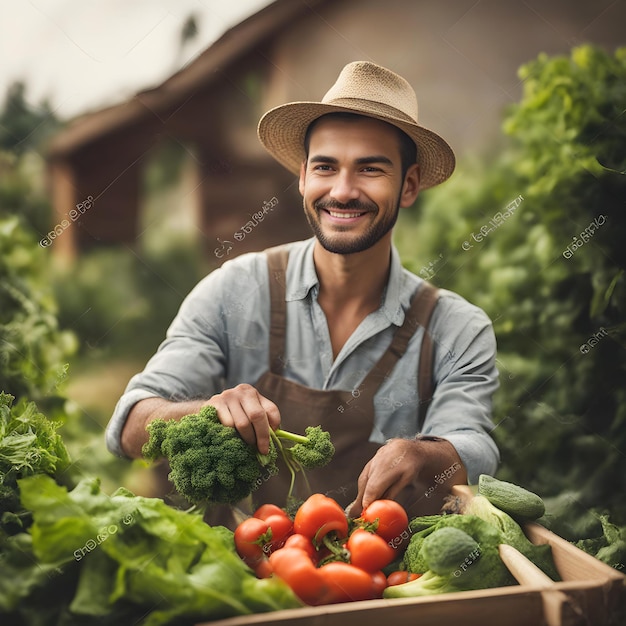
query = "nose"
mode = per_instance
[{"x": 344, "y": 188}]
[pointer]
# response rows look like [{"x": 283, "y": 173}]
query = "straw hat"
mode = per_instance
[{"x": 366, "y": 89}]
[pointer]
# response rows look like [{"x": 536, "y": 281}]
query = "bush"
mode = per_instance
[{"x": 550, "y": 273}]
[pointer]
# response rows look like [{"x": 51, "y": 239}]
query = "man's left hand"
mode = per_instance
[{"x": 406, "y": 464}]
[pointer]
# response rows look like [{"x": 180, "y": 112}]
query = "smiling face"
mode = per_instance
[{"x": 352, "y": 184}]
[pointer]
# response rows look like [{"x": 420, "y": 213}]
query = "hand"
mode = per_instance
[
  {"x": 245, "y": 409},
  {"x": 409, "y": 466},
  {"x": 394, "y": 466}
]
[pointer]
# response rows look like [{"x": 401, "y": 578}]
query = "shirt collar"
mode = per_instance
[{"x": 302, "y": 278}]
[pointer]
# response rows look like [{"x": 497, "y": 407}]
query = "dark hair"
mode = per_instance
[{"x": 408, "y": 149}]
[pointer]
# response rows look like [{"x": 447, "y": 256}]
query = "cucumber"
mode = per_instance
[{"x": 522, "y": 505}]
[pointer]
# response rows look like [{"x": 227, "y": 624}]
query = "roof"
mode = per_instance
[{"x": 202, "y": 71}]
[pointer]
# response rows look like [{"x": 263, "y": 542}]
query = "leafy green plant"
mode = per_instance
[
  {"x": 550, "y": 274},
  {"x": 33, "y": 349}
]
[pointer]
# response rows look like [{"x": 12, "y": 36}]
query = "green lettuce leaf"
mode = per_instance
[{"x": 133, "y": 551}]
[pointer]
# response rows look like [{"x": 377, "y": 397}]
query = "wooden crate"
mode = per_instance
[{"x": 591, "y": 593}]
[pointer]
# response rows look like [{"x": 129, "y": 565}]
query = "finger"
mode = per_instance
[
  {"x": 256, "y": 424},
  {"x": 356, "y": 508},
  {"x": 241, "y": 408},
  {"x": 383, "y": 481},
  {"x": 272, "y": 412}
]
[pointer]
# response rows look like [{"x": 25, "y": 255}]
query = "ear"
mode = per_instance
[
  {"x": 302, "y": 177},
  {"x": 410, "y": 186}
]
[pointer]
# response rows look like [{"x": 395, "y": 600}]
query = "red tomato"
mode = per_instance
[
  {"x": 318, "y": 515},
  {"x": 380, "y": 583},
  {"x": 296, "y": 568},
  {"x": 263, "y": 569},
  {"x": 281, "y": 527},
  {"x": 401, "y": 577},
  {"x": 369, "y": 551},
  {"x": 302, "y": 542},
  {"x": 346, "y": 583},
  {"x": 392, "y": 519},
  {"x": 250, "y": 538},
  {"x": 265, "y": 510}
]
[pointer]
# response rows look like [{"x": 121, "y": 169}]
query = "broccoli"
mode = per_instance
[
  {"x": 453, "y": 553},
  {"x": 444, "y": 549},
  {"x": 210, "y": 462}
]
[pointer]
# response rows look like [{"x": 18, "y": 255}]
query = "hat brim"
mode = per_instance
[{"x": 282, "y": 130}]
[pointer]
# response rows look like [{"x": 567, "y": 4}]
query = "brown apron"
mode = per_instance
[{"x": 347, "y": 415}]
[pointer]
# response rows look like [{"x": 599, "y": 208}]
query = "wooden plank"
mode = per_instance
[{"x": 517, "y": 606}]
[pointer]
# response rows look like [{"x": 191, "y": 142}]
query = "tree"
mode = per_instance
[{"x": 23, "y": 127}]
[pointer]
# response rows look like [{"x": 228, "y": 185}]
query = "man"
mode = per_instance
[{"x": 327, "y": 331}]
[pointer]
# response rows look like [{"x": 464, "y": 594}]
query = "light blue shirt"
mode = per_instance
[{"x": 220, "y": 338}]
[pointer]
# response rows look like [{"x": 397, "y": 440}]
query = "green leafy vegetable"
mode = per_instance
[
  {"x": 129, "y": 558},
  {"x": 512, "y": 534},
  {"x": 29, "y": 444},
  {"x": 453, "y": 553}
]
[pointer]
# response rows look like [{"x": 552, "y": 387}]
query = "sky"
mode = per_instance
[{"x": 82, "y": 55}]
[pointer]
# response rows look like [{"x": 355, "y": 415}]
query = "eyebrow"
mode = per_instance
[{"x": 377, "y": 158}]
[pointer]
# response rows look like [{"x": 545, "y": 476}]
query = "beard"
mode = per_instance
[{"x": 336, "y": 244}]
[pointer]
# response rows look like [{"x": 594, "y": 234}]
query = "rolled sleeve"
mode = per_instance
[
  {"x": 191, "y": 362},
  {"x": 466, "y": 378}
]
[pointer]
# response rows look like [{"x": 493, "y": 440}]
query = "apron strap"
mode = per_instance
[
  {"x": 419, "y": 314},
  {"x": 425, "y": 382},
  {"x": 277, "y": 264}
]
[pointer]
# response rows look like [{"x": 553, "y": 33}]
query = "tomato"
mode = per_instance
[
  {"x": 302, "y": 542},
  {"x": 263, "y": 569},
  {"x": 281, "y": 527},
  {"x": 346, "y": 583},
  {"x": 295, "y": 567},
  {"x": 380, "y": 583},
  {"x": 318, "y": 515},
  {"x": 369, "y": 551},
  {"x": 392, "y": 519},
  {"x": 265, "y": 510},
  {"x": 250, "y": 538},
  {"x": 401, "y": 577}
]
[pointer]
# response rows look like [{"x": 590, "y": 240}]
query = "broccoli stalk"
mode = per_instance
[
  {"x": 314, "y": 449},
  {"x": 211, "y": 463}
]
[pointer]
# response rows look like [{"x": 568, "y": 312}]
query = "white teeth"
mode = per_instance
[{"x": 344, "y": 215}]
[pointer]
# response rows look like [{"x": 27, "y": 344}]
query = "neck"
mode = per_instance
[{"x": 356, "y": 280}]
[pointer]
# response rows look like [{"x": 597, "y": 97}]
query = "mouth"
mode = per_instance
[{"x": 344, "y": 214}]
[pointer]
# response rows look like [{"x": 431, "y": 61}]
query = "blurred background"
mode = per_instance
[{"x": 130, "y": 167}]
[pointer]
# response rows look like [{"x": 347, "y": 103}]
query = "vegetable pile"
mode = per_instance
[
  {"x": 211, "y": 463},
  {"x": 324, "y": 556},
  {"x": 458, "y": 550},
  {"x": 327, "y": 557},
  {"x": 80, "y": 557}
]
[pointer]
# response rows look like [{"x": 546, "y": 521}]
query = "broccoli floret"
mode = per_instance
[
  {"x": 479, "y": 565},
  {"x": 315, "y": 449},
  {"x": 210, "y": 462}
]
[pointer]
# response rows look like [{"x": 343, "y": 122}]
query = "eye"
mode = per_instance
[{"x": 322, "y": 167}]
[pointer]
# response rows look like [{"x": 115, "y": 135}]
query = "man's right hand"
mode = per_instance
[
  {"x": 252, "y": 414},
  {"x": 241, "y": 407}
]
